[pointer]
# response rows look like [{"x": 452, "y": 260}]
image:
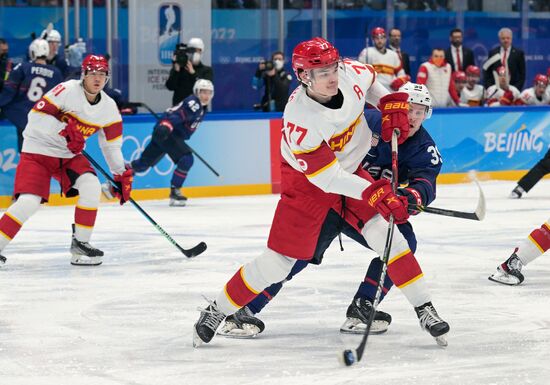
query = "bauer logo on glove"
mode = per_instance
[{"x": 374, "y": 197}]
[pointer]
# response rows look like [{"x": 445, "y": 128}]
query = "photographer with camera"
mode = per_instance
[
  {"x": 276, "y": 82},
  {"x": 186, "y": 69}
]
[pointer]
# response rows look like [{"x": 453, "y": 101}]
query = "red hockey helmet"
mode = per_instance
[
  {"x": 378, "y": 31},
  {"x": 95, "y": 63},
  {"x": 473, "y": 71},
  {"x": 314, "y": 53},
  {"x": 459, "y": 76},
  {"x": 540, "y": 78}
]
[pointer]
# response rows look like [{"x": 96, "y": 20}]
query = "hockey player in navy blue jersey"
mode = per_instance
[
  {"x": 418, "y": 167},
  {"x": 176, "y": 126},
  {"x": 26, "y": 84}
]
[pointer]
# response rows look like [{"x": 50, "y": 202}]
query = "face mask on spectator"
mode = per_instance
[
  {"x": 196, "y": 58},
  {"x": 278, "y": 64},
  {"x": 438, "y": 61}
]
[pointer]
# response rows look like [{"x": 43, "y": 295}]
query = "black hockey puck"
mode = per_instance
[{"x": 348, "y": 357}]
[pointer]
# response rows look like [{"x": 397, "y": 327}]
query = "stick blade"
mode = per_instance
[
  {"x": 194, "y": 251},
  {"x": 480, "y": 210}
]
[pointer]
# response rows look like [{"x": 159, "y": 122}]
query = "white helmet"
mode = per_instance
[
  {"x": 203, "y": 84},
  {"x": 418, "y": 94},
  {"x": 196, "y": 42},
  {"x": 52, "y": 35},
  {"x": 38, "y": 48}
]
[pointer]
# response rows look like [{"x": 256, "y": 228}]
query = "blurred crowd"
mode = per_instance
[
  {"x": 452, "y": 75},
  {"x": 381, "y": 5}
]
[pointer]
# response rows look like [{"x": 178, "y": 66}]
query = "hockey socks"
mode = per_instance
[{"x": 17, "y": 214}]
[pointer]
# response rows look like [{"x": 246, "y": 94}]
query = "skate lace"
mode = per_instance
[
  {"x": 213, "y": 315},
  {"x": 429, "y": 317}
]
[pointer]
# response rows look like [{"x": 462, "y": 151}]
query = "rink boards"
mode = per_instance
[{"x": 499, "y": 143}]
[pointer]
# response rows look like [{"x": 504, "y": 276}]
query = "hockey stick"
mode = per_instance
[
  {"x": 349, "y": 357},
  {"x": 157, "y": 117},
  {"x": 189, "y": 253},
  {"x": 477, "y": 215}
]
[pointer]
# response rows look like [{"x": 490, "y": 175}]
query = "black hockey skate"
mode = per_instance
[
  {"x": 357, "y": 317},
  {"x": 176, "y": 197},
  {"x": 517, "y": 193},
  {"x": 206, "y": 326},
  {"x": 84, "y": 254},
  {"x": 509, "y": 272},
  {"x": 2, "y": 260},
  {"x": 432, "y": 323},
  {"x": 242, "y": 324}
]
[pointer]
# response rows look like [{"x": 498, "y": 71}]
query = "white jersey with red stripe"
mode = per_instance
[
  {"x": 529, "y": 98},
  {"x": 326, "y": 144},
  {"x": 67, "y": 100},
  {"x": 472, "y": 97},
  {"x": 387, "y": 65},
  {"x": 494, "y": 93}
]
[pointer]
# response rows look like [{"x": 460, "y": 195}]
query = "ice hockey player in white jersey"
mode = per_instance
[
  {"x": 532, "y": 247},
  {"x": 536, "y": 95},
  {"x": 386, "y": 62},
  {"x": 472, "y": 94},
  {"x": 325, "y": 137},
  {"x": 58, "y": 125},
  {"x": 502, "y": 93}
]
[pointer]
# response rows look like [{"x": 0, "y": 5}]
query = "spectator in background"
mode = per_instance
[
  {"x": 276, "y": 82},
  {"x": 512, "y": 58},
  {"x": 185, "y": 72},
  {"x": 547, "y": 92},
  {"x": 472, "y": 94},
  {"x": 502, "y": 93},
  {"x": 436, "y": 75},
  {"x": 5, "y": 62},
  {"x": 386, "y": 63},
  {"x": 395, "y": 45},
  {"x": 458, "y": 56},
  {"x": 536, "y": 95}
]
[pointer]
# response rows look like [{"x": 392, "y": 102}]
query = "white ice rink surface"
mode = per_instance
[{"x": 130, "y": 320}]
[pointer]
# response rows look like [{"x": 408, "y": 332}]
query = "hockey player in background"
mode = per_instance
[
  {"x": 324, "y": 139},
  {"x": 26, "y": 84},
  {"x": 502, "y": 93},
  {"x": 536, "y": 95},
  {"x": 59, "y": 123},
  {"x": 175, "y": 126},
  {"x": 472, "y": 94},
  {"x": 536, "y": 244},
  {"x": 529, "y": 180},
  {"x": 419, "y": 166},
  {"x": 386, "y": 62}
]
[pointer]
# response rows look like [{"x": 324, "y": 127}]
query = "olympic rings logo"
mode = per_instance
[{"x": 163, "y": 168}]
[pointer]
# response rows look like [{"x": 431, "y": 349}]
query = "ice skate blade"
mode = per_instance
[
  {"x": 351, "y": 326},
  {"x": 442, "y": 340},
  {"x": 82, "y": 260},
  {"x": 197, "y": 342},
  {"x": 247, "y": 332},
  {"x": 503, "y": 279},
  {"x": 175, "y": 203}
]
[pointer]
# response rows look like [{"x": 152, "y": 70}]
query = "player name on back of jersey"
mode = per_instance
[{"x": 36, "y": 70}]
